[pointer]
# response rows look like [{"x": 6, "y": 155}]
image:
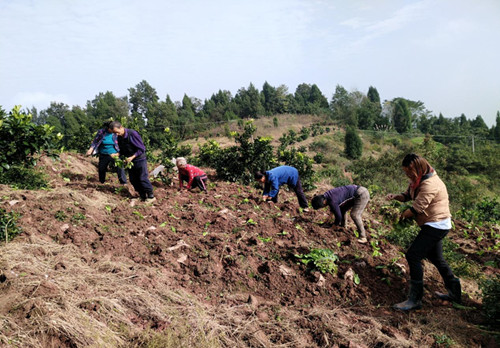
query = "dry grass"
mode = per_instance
[{"x": 55, "y": 298}]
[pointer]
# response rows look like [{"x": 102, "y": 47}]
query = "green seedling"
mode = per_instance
[
  {"x": 122, "y": 163},
  {"x": 135, "y": 212},
  {"x": 108, "y": 209},
  {"x": 163, "y": 224},
  {"x": 251, "y": 222},
  {"x": 321, "y": 259},
  {"x": 265, "y": 239}
]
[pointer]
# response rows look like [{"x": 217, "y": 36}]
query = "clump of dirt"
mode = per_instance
[{"x": 224, "y": 251}]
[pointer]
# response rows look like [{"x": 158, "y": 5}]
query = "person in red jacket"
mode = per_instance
[{"x": 194, "y": 176}]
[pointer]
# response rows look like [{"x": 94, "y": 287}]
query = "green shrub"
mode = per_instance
[
  {"x": 486, "y": 210},
  {"x": 22, "y": 141},
  {"x": 319, "y": 158},
  {"x": 24, "y": 178},
  {"x": 403, "y": 233},
  {"x": 209, "y": 154},
  {"x": 8, "y": 225},
  {"x": 353, "y": 144},
  {"x": 238, "y": 163},
  {"x": 490, "y": 289},
  {"x": 302, "y": 163}
]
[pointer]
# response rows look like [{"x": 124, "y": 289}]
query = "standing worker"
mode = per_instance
[
  {"x": 431, "y": 210},
  {"x": 132, "y": 147},
  {"x": 340, "y": 200},
  {"x": 278, "y": 176},
  {"x": 106, "y": 145}
]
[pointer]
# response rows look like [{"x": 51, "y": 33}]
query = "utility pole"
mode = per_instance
[{"x": 473, "y": 150}]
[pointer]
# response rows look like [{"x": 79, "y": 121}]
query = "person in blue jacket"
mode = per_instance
[
  {"x": 340, "y": 200},
  {"x": 105, "y": 144},
  {"x": 278, "y": 176}
]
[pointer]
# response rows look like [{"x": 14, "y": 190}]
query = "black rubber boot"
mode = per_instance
[
  {"x": 414, "y": 300},
  {"x": 454, "y": 291}
]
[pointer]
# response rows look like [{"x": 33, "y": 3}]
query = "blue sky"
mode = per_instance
[{"x": 444, "y": 53}]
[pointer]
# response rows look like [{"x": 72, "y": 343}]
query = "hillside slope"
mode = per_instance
[{"x": 96, "y": 268}]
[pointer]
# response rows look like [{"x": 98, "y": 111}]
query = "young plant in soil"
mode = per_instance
[{"x": 322, "y": 260}]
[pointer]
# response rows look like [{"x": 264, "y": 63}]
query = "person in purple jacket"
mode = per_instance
[
  {"x": 278, "y": 176},
  {"x": 132, "y": 147},
  {"x": 340, "y": 200},
  {"x": 105, "y": 144}
]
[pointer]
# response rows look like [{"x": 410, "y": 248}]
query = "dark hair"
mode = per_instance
[
  {"x": 417, "y": 165},
  {"x": 318, "y": 202},
  {"x": 409, "y": 158},
  {"x": 106, "y": 124},
  {"x": 115, "y": 124},
  {"x": 258, "y": 175}
]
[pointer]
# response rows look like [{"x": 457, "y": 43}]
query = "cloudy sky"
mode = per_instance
[{"x": 444, "y": 53}]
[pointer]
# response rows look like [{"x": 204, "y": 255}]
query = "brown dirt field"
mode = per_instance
[{"x": 221, "y": 259}]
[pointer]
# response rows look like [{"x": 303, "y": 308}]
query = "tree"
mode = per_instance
[
  {"x": 248, "y": 102},
  {"x": 353, "y": 144},
  {"x": 496, "y": 131},
  {"x": 343, "y": 106},
  {"x": 270, "y": 100},
  {"x": 401, "y": 115},
  {"x": 479, "y": 127},
  {"x": 105, "y": 107},
  {"x": 373, "y": 95},
  {"x": 143, "y": 100}
]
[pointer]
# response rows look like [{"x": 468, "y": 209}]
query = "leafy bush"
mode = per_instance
[
  {"x": 319, "y": 158},
  {"x": 209, "y": 154},
  {"x": 490, "y": 289},
  {"x": 353, "y": 144},
  {"x": 21, "y": 140},
  {"x": 275, "y": 122},
  {"x": 486, "y": 210},
  {"x": 238, "y": 163},
  {"x": 171, "y": 149},
  {"x": 24, "y": 178},
  {"x": 403, "y": 233},
  {"x": 8, "y": 225},
  {"x": 321, "y": 259},
  {"x": 302, "y": 163}
]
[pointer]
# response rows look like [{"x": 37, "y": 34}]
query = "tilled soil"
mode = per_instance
[{"x": 227, "y": 248}]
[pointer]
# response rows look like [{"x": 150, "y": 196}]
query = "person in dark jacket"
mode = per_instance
[
  {"x": 106, "y": 145},
  {"x": 340, "y": 200},
  {"x": 132, "y": 147},
  {"x": 430, "y": 208},
  {"x": 278, "y": 176}
]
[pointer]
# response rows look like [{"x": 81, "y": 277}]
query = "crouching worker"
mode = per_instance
[
  {"x": 340, "y": 200},
  {"x": 431, "y": 210},
  {"x": 278, "y": 176},
  {"x": 132, "y": 147},
  {"x": 194, "y": 176}
]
